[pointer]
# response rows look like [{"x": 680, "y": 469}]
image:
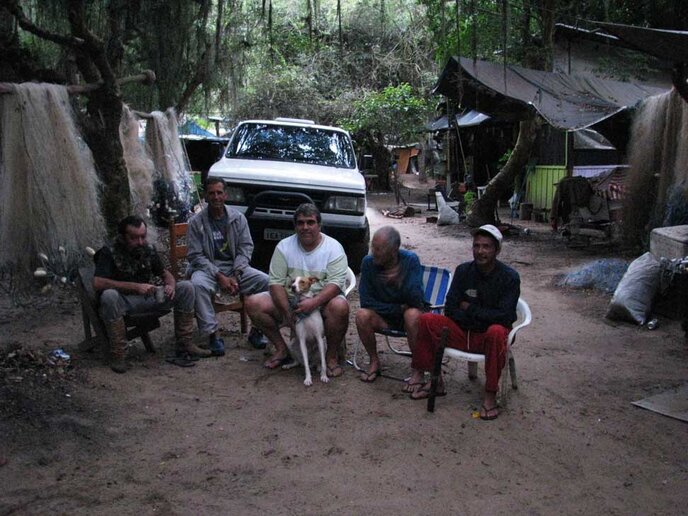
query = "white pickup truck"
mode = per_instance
[{"x": 272, "y": 166}]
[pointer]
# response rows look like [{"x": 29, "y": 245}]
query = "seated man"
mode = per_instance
[
  {"x": 307, "y": 253},
  {"x": 391, "y": 295},
  {"x": 124, "y": 278},
  {"x": 479, "y": 311},
  {"x": 219, "y": 250}
]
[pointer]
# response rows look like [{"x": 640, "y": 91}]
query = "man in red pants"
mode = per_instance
[{"x": 479, "y": 311}]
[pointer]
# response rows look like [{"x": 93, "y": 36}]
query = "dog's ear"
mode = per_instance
[{"x": 312, "y": 280}]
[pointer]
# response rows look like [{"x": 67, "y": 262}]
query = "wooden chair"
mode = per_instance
[
  {"x": 138, "y": 325},
  {"x": 178, "y": 251}
]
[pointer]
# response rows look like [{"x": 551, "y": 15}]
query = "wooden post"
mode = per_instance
[
  {"x": 146, "y": 77},
  {"x": 437, "y": 370}
]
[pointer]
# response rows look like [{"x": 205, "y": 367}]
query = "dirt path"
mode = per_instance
[{"x": 228, "y": 437}]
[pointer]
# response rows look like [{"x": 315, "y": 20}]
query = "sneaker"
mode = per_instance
[
  {"x": 257, "y": 339},
  {"x": 216, "y": 346}
]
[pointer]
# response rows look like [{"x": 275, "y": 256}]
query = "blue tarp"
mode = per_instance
[{"x": 192, "y": 127}]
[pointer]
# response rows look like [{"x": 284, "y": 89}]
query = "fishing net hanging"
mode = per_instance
[
  {"x": 140, "y": 166},
  {"x": 173, "y": 184},
  {"x": 658, "y": 176},
  {"x": 48, "y": 183}
]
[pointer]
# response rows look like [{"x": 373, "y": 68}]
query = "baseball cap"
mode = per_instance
[{"x": 490, "y": 230}]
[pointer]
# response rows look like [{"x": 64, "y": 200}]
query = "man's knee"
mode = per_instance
[
  {"x": 201, "y": 281},
  {"x": 412, "y": 317},
  {"x": 109, "y": 305},
  {"x": 497, "y": 333},
  {"x": 365, "y": 317},
  {"x": 429, "y": 320},
  {"x": 184, "y": 296},
  {"x": 258, "y": 304},
  {"x": 253, "y": 281},
  {"x": 184, "y": 288},
  {"x": 337, "y": 308}
]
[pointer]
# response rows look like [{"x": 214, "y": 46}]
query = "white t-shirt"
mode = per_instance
[{"x": 327, "y": 262}]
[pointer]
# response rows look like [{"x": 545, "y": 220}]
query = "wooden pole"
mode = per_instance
[
  {"x": 147, "y": 77},
  {"x": 437, "y": 370}
]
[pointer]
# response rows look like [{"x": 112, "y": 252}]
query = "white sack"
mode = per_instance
[
  {"x": 632, "y": 300},
  {"x": 446, "y": 215}
]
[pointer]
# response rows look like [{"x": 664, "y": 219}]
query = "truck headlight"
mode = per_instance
[
  {"x": 345, "y": 203},
  {"x": 235, "y": 195}
]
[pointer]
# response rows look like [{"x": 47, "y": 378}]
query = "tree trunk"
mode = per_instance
[
  {"x": 382, "y": 159},
  {"x": 101, "y": 132},
  {"x": 483, "y": 211}
]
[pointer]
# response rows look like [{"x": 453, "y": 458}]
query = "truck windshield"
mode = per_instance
[{"x": 290, "y": 143}]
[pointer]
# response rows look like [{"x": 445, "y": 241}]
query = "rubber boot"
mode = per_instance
[
  {"x": 183, "y": 331},
  {"x": 117, "y": 335}
]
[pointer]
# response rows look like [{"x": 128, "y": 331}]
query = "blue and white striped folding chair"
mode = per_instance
[{"x": 436, "y": 282}]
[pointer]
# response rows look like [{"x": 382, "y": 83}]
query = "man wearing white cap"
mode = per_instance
[{"x": 479, "y": 311}]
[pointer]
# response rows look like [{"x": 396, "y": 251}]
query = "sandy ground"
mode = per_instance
[{"x": 229, "y": 437}]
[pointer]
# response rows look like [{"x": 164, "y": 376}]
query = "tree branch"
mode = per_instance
[
  {"x": 93, "y": 45},
  {"x": 12, "y": 6},
  {"x": 147, "y": 77},
  {"x": 196, "y": 80}
]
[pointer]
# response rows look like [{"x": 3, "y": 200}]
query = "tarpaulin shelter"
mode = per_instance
[
  {"x": 469, "y": 118},
  {"x": 192, "y": 128},
  {"x": 669, "y": 45},
  {"x": 567, "y": 102}
]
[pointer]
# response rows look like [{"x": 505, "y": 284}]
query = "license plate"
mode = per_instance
[{"x": 276, "y": 234}]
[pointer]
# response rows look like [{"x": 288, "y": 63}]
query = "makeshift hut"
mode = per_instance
[{"x": 567, "y": 103}]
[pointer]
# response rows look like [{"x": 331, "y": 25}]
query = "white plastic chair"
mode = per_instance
[
  {"x": 523, "y": 319},
  {"x": 436, "y": 282},
  {"x": 350, "y": 282}
]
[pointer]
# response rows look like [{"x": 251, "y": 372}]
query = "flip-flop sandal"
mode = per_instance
[
  {"x": 370, "y": 377},
  {"x": 334, "y": 372},
  {"x": 424, "y": 394},
  {"x": 487, "y": 411},
  {"x": 409, "y": 388},
  {"x": 180, "y": 361}
]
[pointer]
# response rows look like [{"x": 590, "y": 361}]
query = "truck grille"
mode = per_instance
[{"x": 279, "y": 201}]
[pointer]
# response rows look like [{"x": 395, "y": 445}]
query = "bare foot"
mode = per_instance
[
  {"x": 414, "y": 382},
  {"x": 276, "y": 361},
  {"x": 421, "y": 393},
  {"x": 334, "y": 370},
  {"x": 489, "y": 409},
  {"x": 488, "y": 414}
]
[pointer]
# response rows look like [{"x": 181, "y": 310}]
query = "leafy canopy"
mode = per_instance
[{"x": 396, "y": 112}]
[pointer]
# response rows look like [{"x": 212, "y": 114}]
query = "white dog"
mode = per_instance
[{"x": 309, "y": 328}]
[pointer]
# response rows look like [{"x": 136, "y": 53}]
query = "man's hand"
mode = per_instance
[
  {"x": 307, "y": 305},
  {"x": 169, "y": 291},
  {"x": 228, "y": 283},
  {"x": 145, "y": 289}
]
